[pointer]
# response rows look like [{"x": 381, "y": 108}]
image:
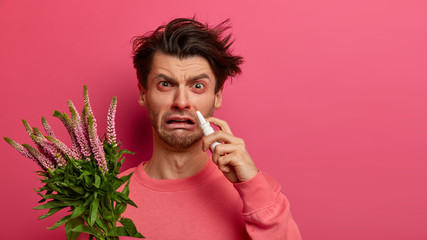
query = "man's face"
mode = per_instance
[{"x": 177, "y": 88}]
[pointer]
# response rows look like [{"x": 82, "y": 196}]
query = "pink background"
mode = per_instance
[{"x": 332, "y": 101}]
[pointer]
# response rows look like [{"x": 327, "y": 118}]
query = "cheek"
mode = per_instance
[
  {"x": 158, "y": 101},
  {"x": 204, "y": 104},
  {"x": 154, "y": 107}
]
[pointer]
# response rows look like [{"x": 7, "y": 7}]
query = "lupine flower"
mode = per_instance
[
  {"x": 45, "y": 147},
  {"x": 97, "y": 147},
  {"x": 69, "y": 126},
  {"x": 62, "y": 147},
  {"x": 84, "y": 122},
  {"x": 37, "y": 132},
  {"x": 22, "y": 150},
  {"x": 47, "y": 128},
  {"x": 87, "y": 103},
  {"x": 111, "y": 125},
  {"x": 38, "y": 142},
  {"x": 78, "y": 131},
  {"x": 40, "y": 157},
  {"x": 49, "y": 150},
  {"x": 28, "y": 127}
]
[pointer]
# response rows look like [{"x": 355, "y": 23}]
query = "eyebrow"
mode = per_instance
[
  {"x": 200, "y": 76},
  {"x": 197, "y": 77}
]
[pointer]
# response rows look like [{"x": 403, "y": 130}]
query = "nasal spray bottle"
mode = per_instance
[{"x": 207, "y": 129}]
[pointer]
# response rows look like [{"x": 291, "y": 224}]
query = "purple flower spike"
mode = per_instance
[
  {"x": 39, "y": 140},
  {"x": 47, "y": 128},
  {"x": 37, "y": 132},
  {"x": 111, "y": 124},
  {"x": 87, "y": 105},
  {"x": 97, "y": 147},
  {"x": 27, "y": 127},
  {"x": 49, "y": 150},
  {"x": 85, "y": 95},
  {"x": 61, "y": 146},
  {"x": 69, "y": 126},
  {"x": 84, "y": 123},
  {"x": 23, "y": 151},
  {"x": 78, "y": 131},
  {"x": 46, "y": 164}
]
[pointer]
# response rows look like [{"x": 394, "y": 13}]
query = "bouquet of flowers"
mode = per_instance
[{"x": 83, "y": 179}]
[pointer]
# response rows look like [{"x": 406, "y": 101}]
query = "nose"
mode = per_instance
[{"x": 181, "y": 101}]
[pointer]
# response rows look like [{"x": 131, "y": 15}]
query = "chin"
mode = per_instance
[{"x": 181, "y": 141}]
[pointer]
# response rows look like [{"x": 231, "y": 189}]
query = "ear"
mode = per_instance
[
  {"x": 218, "y": 99},
  {"x": 142, "y": 95}
]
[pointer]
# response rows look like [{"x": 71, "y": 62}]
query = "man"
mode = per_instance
[{"x": 182, "y": 192}]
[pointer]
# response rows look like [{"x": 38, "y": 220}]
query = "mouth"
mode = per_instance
[{"x": 179, "y": 122}]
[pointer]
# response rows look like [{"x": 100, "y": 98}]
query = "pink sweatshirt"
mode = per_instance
[{"x": 208, "y": 206}]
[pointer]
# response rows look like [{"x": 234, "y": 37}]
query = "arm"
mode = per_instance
[{"x": 266, "y": 210}]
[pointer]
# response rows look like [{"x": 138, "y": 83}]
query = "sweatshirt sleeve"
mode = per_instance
[{"x": 266, "y": 210}]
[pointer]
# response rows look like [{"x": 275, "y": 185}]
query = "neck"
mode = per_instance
[{"x": 167, "y": 163}]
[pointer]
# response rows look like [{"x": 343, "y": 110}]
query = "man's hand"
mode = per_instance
[{"x": 231, "y": 157}]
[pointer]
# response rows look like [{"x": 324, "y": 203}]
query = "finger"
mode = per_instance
[
  {"x": 225, "y": 162},
  {"x": 215, "y": 158},
  {"x": 224, "y": 149},
  {"x": 207, "y": 141},
  {"x": 224, "y": 154},
  {"x": 222, "y": 163},
  {"x": 221, "y": 124},
  {"x": 221, "y": 137}
]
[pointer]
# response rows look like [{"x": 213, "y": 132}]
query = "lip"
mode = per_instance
[{"x": 181, "y": 122}]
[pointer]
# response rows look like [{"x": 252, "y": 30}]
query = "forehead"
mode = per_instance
[{"x": 180, "y": 67}]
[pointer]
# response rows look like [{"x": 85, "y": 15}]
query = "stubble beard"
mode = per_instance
[{"x": 176, "y": 141}]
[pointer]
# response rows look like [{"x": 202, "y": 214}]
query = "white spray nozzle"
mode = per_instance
[
  {"x": 201, "y": 118},
  {"x": 207, "y": 129}
]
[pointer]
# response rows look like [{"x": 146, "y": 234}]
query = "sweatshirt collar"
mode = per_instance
[{"x": 172, "y": 185}]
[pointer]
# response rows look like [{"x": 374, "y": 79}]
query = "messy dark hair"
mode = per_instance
[{"x": 183, "y": 37}]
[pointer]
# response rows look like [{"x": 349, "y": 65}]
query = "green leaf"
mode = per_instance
[
  {"x": 53, "y": 187},
  {"x": 87, "y": 180},
  {"x": 120, "y": 231},
  {"x": 97, "y": 181},
  {"x": 77, "y": 189},
  {"x": 123, "y": 151},
  {"x": 119, "y": 182},
  {"x": 100, "y": 224},
  {"x": 69, "y": 226},
  {"x": 130, "y": 227},
  {"x": 105, "y": 211},
  {"x": 56, "y": 203},
  {"x": 126, "y": 189},
  {"x": 55, "y": 196},
  {"x": 120, "y": 208},
  {"x": 51, "y": 204},
  {"x": 93, "y": 211},
  {"x": 51, "y": 212},
  {"x": 60, "y": 222},
  {"x": 85, "y": 229},
  {"x": 78, "y": 211}
]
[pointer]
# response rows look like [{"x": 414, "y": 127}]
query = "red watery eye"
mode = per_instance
[{"x": 164, "y": 84}]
